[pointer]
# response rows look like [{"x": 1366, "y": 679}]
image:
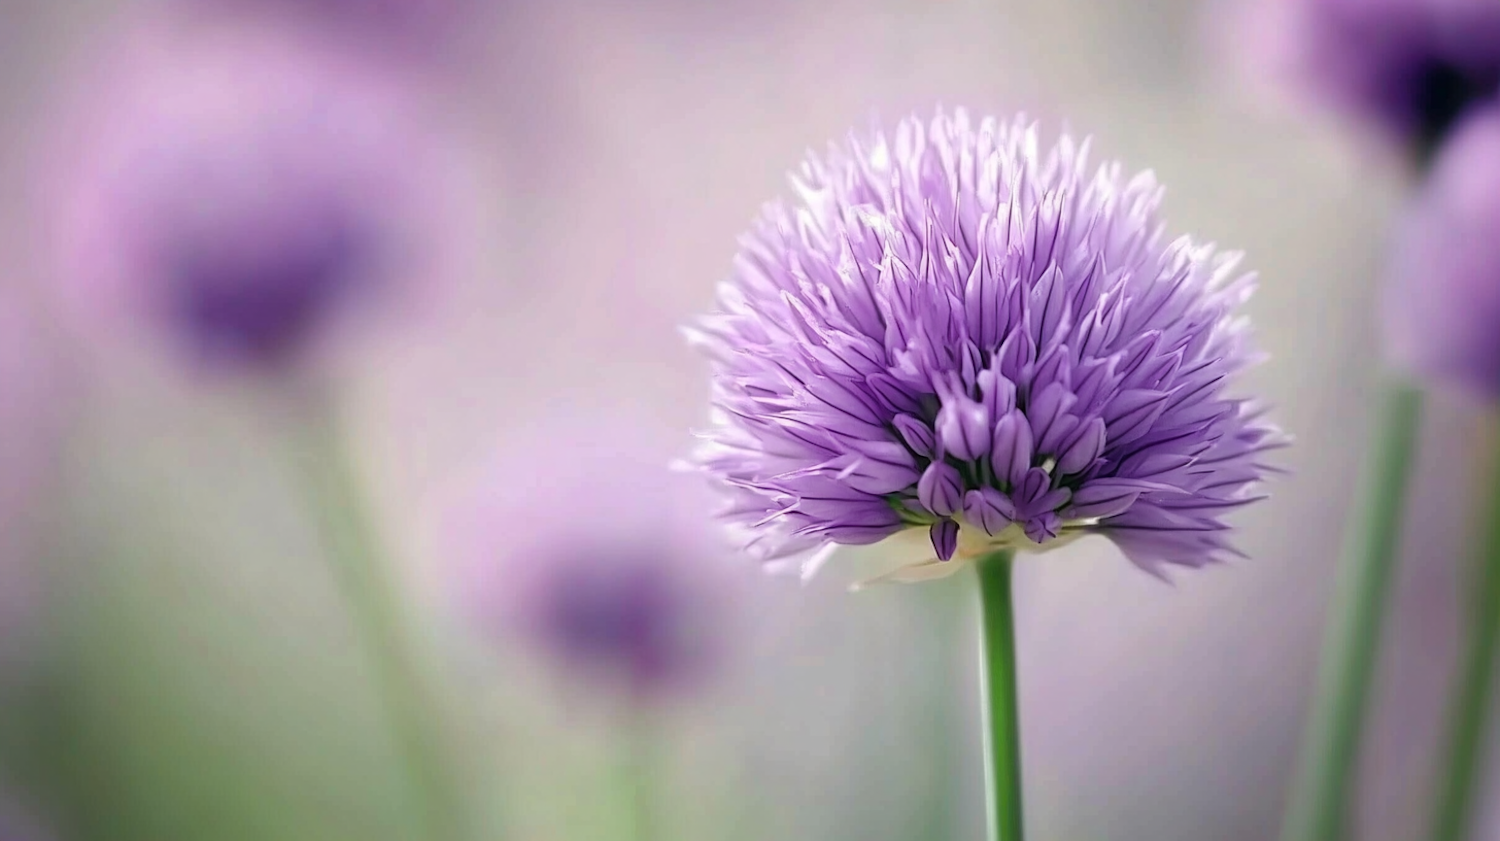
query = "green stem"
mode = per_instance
[
  {"x": 1002, "y": 729},
  {"x": 1320, "y": 801},
  {"x": 1470, "y": 704},
  {"x": 364, "y": 579},
  {"x": 639, "y": 767}
]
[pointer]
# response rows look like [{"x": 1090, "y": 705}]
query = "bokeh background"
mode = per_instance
[{"x": 196, "y": 677}]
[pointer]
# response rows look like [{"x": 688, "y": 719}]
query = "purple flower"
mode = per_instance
[
  {"x": 585, "y": 546},
  {"x": 1411, "y": 68},
  {"x": 958, "y": 333},
  {"x": 1443, "y": 301},
  {"x": 239, "y": 191}
]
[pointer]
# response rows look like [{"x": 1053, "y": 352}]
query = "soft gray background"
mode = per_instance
[{"x": 622, "y": 148}]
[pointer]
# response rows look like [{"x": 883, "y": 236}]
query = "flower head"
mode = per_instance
[
  {"x": 1443, "y": 301},
  {"x": 1411, "y": 68},
  {"x": 628, "y": 594},
  {"x": 237, "y": 191},
  {"x": 957, "y": 333}
]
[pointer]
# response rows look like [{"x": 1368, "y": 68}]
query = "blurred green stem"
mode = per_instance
[
  {"x": 1002, "y": 731},
  {"x": 366, "y": 583},
  {"x": 1469, "y": 707},
  {"x": 639, "y": 767},
  {"x": 1320, "y": 800}
]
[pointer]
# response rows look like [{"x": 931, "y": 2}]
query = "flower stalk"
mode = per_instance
[
  {"x": 360, "y": 572},
  {"x": 1469, "y": 707},
  {"x": 1320, "y": 799},
  {"x": 1002, "y": 732},
  {"x": 640, "y": 768}
]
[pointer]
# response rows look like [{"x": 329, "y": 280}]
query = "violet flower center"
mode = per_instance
[
  {"x": 261, "y": 299},
  {"x": 1442, "y": 92},
  {"x": 630, "y": 620}
]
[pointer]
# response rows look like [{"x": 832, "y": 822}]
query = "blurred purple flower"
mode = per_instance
[
  {"x": 628, "y": 593},
  {"x": 240, "y": 190},
  {"x": 1411, "y": 68},
  {"x": 956, "y": 333},
  {"x": 1443, "y": 302}
]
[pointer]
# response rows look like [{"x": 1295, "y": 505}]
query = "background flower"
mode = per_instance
[
  {"x": 1408, "y": 68},
  {"x": 1443, "y": 300},
  {"x": 581, "y": 544},
  {"x": 238, "y": 193},
  {"x": 959, "y": 331}
]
